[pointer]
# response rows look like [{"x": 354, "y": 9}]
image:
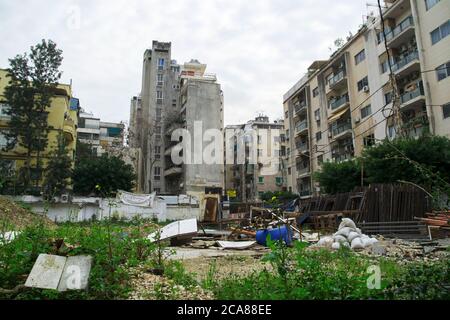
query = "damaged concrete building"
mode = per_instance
[{"x": 175, "y": 96}]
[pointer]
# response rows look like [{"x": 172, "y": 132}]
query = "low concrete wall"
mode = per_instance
[{"x": 84, "y": 209}]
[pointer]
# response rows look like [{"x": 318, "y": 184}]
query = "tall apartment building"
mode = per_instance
[
  {"x": 342, "y": 105},
  {"x": 172, "y": 97},
  {"x": 250, "y": 179}
]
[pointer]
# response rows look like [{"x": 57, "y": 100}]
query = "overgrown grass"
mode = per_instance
[
  {"x": 322, "y": 274},
  {"x": 115, "y": 246}
]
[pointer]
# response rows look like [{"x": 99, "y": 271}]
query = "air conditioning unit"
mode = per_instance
[
  {"x": 317, "y": 118},
  {"x": 357, "y": 120},
  {"x": 65, "y": 198},
  {"x": 366, "y": 89},
  {"x": 330, "y": 135}
]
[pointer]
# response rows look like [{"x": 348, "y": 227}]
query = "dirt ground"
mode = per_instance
[{"x": 14, "y": 216}]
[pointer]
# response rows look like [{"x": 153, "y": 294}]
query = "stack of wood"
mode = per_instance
[{"x": 438, "y": 222}]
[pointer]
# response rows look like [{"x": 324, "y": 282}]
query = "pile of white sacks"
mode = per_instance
[{"x": 348, "y": 235}]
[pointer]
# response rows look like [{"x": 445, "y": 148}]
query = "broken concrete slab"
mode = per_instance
[
  {"x": 76, "y": 273},
  {"x": 46, "y": 272},
  {"x": 176, "y": 229},
  {"x": 236, "y": 245}
]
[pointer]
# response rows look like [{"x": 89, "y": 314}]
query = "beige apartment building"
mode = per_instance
[
  {"x": 345, "y": 104},
  {"x": 259, "y": 168}
]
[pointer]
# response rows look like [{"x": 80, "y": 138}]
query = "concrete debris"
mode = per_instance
[
  {"x": 60, "y": 273},
  {"x": 9, "y": 236}
]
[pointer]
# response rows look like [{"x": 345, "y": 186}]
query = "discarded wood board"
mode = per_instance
[
  {"x": 60, "y": 273},
  {"x": 236, "y": 245},
  {"x": 183, "y": 228}
]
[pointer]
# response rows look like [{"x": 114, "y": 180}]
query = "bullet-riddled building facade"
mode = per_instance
[{"x": 342, "y": 105}]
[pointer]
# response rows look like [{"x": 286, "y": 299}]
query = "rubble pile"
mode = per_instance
[{"x": 348, "y": 235}]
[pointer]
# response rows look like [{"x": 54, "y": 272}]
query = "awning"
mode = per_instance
[{"x": 338, "y": 115}]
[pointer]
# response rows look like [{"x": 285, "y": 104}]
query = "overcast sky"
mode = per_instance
[{"x": 257, "y": 48}]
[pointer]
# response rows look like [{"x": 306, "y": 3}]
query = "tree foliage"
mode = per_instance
[
  {"x": 109, "y": 172},
  {"x": 33, "y": 79},
  {"x": 339, "y": 177},
  {"x": 424, "y": 161},
  {"x": 58, "y": 170}
]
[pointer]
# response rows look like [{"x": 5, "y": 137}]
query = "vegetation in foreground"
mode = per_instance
[{"x": 295, "y": 273}]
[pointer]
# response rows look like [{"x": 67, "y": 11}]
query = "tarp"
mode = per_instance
[
  {"x": 138, "y": 200},
  {"x": 237, "y": 245},
  {"x": 337, "y": 115}
]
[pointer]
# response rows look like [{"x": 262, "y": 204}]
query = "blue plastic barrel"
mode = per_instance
[{"x": 277, "y": 233}]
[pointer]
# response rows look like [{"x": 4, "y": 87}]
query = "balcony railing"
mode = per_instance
[
  {"x": 300, "y": 107},
  {"x": 403, "y": 62},
  {"x": 405, "y": 24},
  {"x": 305, "y": 193},
  {"x": 302, "y": 171},
  {"x": 339, "y": 102},
  {"x": 342, "y": 157},
  {"x": 336, "y": 78},
  {"x": 302, "y": 147},
  {"x": 412, "y": 94},
  {"x": 301, "y": 126},
  {"x": 342, "y": 128}
]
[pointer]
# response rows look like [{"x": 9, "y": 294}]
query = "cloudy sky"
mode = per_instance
[{"x": 257, "y": 48}]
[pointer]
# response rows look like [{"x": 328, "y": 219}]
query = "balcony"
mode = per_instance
[
  {"x": 401, "y": 33},
  {"x": 301, "y": 127},
  {"x": 413, "y": 98},
  {"x": 303, "y": 171},
  {"x": 300, "y": 107},
  {"x": 342, "y": 129},
  {"x": 302, "y": 147},
  {"x": 341, "y": 157},
  {"x": 337, "y": 80},
  {"x": 335, "y": 105},
  {"x": 69, "y": 130},
  {"x": 305, "y": 193},
  {"x": 407, "y": 64}
]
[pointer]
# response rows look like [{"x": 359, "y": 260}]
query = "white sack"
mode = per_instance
[
  {"x": 347, "y": 223},
  {"x": 357, "y": 244}
]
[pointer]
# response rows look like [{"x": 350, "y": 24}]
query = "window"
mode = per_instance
[
  {"x": 315, "y": 92},
  {"x": 320, "y": 160},
  {"x": 8, "y": 167},
  {"x": 160, "y": 79},
  {"x": 430, "y": 3},
  {"x": 259, "y": 139},
  {"x": 4, "y": 108},
  {"x": 440, "y": 33},
  {"x": 157, "y": 150},
  {"x": 391, "y": 131},
  {"x": 443, "y": 71},
  {"x": 157, "y": 173},
  {"x": 363, "y": 83},
  {"x": 289, "y": 170},
  {"x": 360, "y": 57},
  {"x": 388, "y": 97},
  {"x": 317, "y": 115},
  {"x": 369, "y": 140},
  {"x": 3, "y": 141},
  {"x": 366, "y": 111},
  {"x": 279, "y": 180},
  {"x": 158, "y": 114},
  {"x": 286, "y": 114},
  {"x": 260, "y": 153},
  {"x": 157, "y": 190},
  {"x": 261, "y": 180},
  {"x": 159, "y": 97},
  {"x": 446, "y": 110},
  {"x": 161, "y": 63},
  {"x": 319, "y": 136}
]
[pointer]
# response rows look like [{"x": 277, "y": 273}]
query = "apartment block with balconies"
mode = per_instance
[{"x": 350, "y": 95}]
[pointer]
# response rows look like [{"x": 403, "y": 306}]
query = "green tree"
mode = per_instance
[
  {"x": 339, "y": 177},
  {"x": 58, "y": 171},
  {"x": 109, "y": 172},
  {"x": 33, "y": 80},
  {"x": 424, "y": 161}
]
